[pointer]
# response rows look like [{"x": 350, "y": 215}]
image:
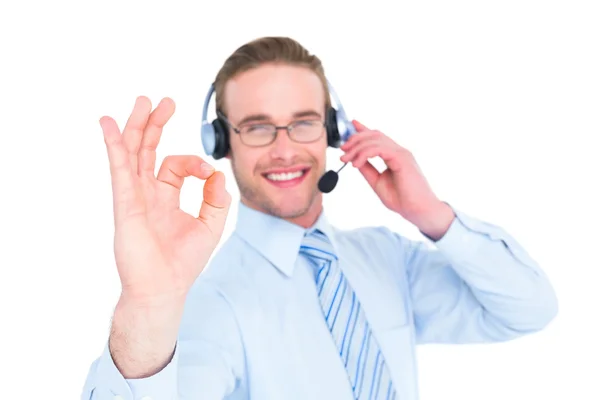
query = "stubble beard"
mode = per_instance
[{"x": 253, "y": 195}]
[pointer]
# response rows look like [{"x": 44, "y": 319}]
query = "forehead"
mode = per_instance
[{"x": 278, "y": 91}]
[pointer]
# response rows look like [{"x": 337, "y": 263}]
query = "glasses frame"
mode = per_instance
[{"x": 276, "y": 128}]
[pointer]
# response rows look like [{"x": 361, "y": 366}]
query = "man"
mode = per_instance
[{"x": 291, "y": 307}]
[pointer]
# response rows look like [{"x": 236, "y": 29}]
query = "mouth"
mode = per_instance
[{"x": 286, "y": 178}]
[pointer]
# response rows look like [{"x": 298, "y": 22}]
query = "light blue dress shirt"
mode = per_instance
[{"x": 253, "y": 327}]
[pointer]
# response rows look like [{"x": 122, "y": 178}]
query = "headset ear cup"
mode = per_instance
[
  {"x": 221, "y": 139},
  {"x": 333, "y": 134}
]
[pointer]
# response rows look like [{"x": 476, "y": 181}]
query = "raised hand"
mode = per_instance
[
  {"x": 402, "y": 187},
  {"x": 159, "y": 249}
]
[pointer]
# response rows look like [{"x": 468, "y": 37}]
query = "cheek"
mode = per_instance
[
  {"x": 318, "y": 154},
  {"x": 247, "y": 164}
]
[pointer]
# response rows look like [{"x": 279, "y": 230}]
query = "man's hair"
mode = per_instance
[{"x": 267, "y": 50}]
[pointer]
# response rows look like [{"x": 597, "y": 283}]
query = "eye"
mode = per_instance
[
  {"x": 306, "y": 123},
  {"x": 306, "y": 126},
  {"x": 258, "y": 129}
]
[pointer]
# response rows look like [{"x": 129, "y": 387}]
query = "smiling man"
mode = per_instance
[
  {"x": 276, "y": 173},
  {"x": 292, "y": 307}
]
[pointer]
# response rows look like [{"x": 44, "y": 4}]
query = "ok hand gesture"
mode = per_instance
[{"x": 159, "y": 249}]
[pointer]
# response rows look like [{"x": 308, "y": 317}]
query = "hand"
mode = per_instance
[
  {"x": 159, "y": 249},
  {"x": 401, "y": 187}
]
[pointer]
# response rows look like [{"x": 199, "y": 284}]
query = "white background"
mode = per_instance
[{"x": 499, "y": 102}]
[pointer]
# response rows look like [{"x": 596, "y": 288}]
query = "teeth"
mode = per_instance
[{"x": 285, "y": 177}]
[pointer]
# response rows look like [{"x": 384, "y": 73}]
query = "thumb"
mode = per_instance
[{"x": 215, "y": 204}]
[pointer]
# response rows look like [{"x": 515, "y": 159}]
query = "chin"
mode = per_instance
[
  {"x": 289, "y": 205},
  {"x": 292, "y": 197},
  {"x": 287, "y": 194},
  {"x": 287, "y": 212}
]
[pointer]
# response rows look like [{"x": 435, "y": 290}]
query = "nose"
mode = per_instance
[{"x": 283, "y": 147}]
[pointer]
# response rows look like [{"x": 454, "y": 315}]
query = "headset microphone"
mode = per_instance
[{"x": 329, "y": 180}]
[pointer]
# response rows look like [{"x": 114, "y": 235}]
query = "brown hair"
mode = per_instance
[{"x": 271, "y": 49}]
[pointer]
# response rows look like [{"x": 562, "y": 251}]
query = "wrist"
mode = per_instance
[
  {"x": 160, "y": 307},
  {"x": 144, "y": 335},
  {"x": 154, "y": 299},
  {"x": 436, "y": 221}
]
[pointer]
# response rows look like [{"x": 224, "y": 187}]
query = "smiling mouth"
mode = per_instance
[
  {"x": 286, "y": 179},
  {"x": 286, "y": 176}
]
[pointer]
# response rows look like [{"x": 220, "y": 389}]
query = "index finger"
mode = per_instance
[
  {"x": 359, "y": 126},
  {"x": 175, "y": 169}
]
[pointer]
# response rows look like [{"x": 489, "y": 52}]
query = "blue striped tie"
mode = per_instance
[{"x": 367, "y": 371}]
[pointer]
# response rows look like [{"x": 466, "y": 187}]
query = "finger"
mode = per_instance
[
  {"x": 120, "y": 169},
  {"x": 359, "y": 138},
  {"x": 134, "y": 129},
  {"x": 175, "y": 169},
  {"x": 390, "y": 156},
  {"x": 359, "y": 127},
  {"x": 351, "y": 151},
  {"x": 370, "y": 173},
  {"x": 151, "y": 137},
  {"x": 215, "y": 205}
]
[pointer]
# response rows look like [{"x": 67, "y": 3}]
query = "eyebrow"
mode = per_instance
[{"x": 265, "y": 117}]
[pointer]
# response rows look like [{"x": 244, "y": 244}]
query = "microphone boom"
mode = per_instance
[{"x": 329, "y": 180}]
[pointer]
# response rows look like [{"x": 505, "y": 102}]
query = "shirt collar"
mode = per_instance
[{"x": 277, "y": 239}]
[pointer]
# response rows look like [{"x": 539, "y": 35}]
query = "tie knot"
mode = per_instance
[{"x": 318, "y": 247}]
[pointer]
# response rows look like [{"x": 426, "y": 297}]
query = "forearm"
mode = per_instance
[
  {"x": 143, "y": 336},
  {"x": 507, "y": 283},
  {"x": 479, "y": 280}
]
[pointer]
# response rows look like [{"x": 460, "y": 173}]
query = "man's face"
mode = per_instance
[{"x": 279, "y": 178}]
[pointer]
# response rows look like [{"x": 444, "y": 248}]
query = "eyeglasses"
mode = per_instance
[{"x": 257, "y": 135}]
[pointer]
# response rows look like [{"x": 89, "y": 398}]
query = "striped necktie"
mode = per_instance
[{"x": 358, "y": 348}]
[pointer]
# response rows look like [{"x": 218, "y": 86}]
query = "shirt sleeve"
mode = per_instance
[
  {"x": 207, "y": 362},
  {"x": 476, "y": 284}
]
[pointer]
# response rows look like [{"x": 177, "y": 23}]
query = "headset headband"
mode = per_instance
[
  {"x": 214, "y": 135},
  {"x": 332, "y": 92},
  {"x": 206, "y": 102}
]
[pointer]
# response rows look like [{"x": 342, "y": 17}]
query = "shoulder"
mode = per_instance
[
  {"x": 230, "y": 277},
  {"x": 370, "y": 238},
  {"x": 210, "y": 298},
  {"x": 380, "y": 243},
  {"x": 227, "y": 261}
]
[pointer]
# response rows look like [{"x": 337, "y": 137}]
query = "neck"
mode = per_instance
[
  {"x": 309, "y": 218},
  {"x": 305, "y": 220}
]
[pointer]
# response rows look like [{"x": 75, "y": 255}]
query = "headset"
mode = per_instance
[{"x": 215, "y": 138}]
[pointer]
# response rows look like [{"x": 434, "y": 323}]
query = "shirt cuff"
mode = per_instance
[
  {"x": 160, "y": 386},
  {"x": 466, "y": 236}
]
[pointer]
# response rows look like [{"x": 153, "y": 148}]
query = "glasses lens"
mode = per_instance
[
  {"x": 257, "y": 135},
  {"x": 263, "y": 134},
  {"x": 306, "y": 131}
]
